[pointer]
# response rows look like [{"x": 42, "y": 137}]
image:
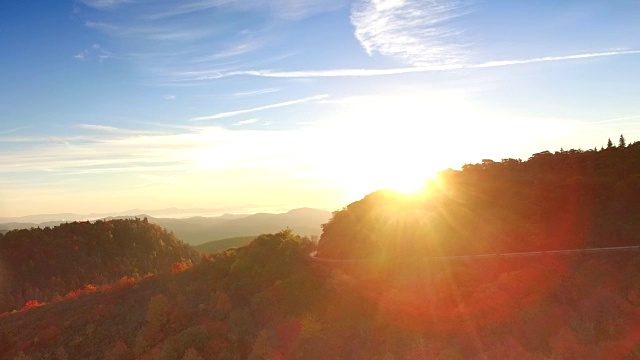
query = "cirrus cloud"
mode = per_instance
[{"x": 415, "y": 31}]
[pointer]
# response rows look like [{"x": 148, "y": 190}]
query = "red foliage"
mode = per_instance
[
  {"x": 31, "y": 304},
  {"x": 124, "y": 282},
  {"x": 4, "y": 314},
  {"x": 73, "y": 294}
]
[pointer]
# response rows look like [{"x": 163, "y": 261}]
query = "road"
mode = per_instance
[{"x": 490, "y": 256}]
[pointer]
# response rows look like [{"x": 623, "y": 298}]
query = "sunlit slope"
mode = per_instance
[{"x": 562, "y": 200}]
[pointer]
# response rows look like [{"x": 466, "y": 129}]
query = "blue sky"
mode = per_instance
[{"x": 107, "y": 105}]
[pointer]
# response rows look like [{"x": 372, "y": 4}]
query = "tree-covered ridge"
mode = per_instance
[
  {"x": 562, "y": 200},
  {"x": 269, "y": 300},
  {"x": 46, "y": 264},
  {"x": 214, "y": 310}
]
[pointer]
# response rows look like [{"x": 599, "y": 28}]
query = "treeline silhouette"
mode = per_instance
[
  {"x": 44, "y": 265},
  {"x": 563, "y": 200}
]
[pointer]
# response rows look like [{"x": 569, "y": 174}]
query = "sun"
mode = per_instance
[
  {"x": 392, "y": 142},
  {"x": 407, "y": 185}
]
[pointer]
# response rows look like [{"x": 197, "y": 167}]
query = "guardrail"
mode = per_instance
[{"x": 487, "y": 256}]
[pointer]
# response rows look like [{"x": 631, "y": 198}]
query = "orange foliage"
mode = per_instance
[
  {"x": 73, "y": 294},
  {"x": 124, "y": 281},
  {"x": 180, "y": 266},
  {"x": 31, "y": 304}
]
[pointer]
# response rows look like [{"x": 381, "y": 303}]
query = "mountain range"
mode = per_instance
[{"x": 199, "y": 229}]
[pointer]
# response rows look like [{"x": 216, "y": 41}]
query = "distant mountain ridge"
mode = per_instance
[
  {"x": 199, "y": 229},
  {"x": 171, "y": 212}
]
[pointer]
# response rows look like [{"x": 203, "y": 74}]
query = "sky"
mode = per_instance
[{"x": 243, "y": 105}]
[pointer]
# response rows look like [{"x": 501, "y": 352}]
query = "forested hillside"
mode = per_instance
[
  {"x": 48, "y": 264},
  {"x": 562, "y": 200},
  {"x": 215, "y": 309},
  {"x": 269, "y": 300}
]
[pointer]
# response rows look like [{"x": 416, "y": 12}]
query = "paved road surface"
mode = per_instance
[{"x": 493, "y": 256}]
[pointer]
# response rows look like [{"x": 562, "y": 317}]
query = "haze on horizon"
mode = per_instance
[{"x": 108, "y": 105}]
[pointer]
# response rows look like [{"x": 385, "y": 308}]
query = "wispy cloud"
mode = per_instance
[
  {"x": 165, "y": 37},
  {"x": 232, "y": 51},
  {"x": 617, "y": 119},
  {"x": 113, "y": 130},
  {"x": 150, "y": 32},
  {"x": 284, "y": 9},
  {"x": 296, "y": 9},
  {"x": 256, "y": 92},
  {"x": 96, "y": 51},
  {"x": 81, "y": 56},
  {"x": 618, "y": 52},
  {"x": 207, "y": 75},
  {"x": 131, "y": 151},
  {"x": 169, "y": 10},
  {"x": 246, "y": 122},
  {"x": 417, "y": 32},
  {"x": 104, "y": 4},
  {"x": 9, "y": 131},
  {"x": 169, "y": 97},
  {"x": 259, "y": 108}
]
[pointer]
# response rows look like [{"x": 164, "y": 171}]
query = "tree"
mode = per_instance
[
  {"x": 609, "y": 144},
  {"x": 622, "y": 142},
  {"x": 158, "y": 312}
]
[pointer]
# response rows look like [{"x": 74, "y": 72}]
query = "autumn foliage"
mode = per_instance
[{"x": 31, "y": 304}]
